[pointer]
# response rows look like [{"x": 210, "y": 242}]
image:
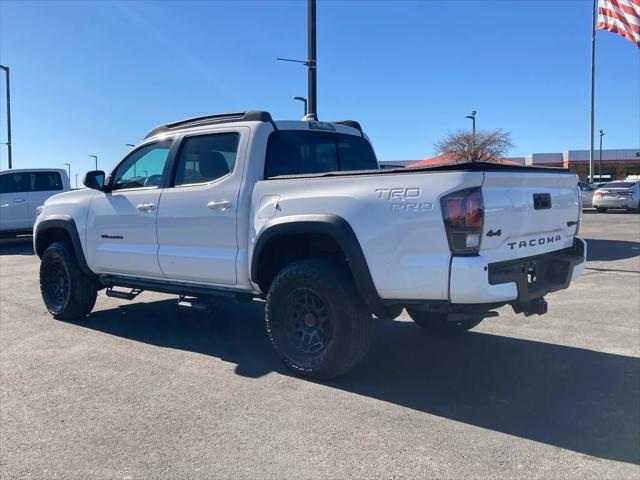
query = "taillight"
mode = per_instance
[
  {"x": 463, "y": 214},
  {"x": 598, "y": 193}
]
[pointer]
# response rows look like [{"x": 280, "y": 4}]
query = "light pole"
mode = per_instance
[
  {"x": 473, "y": 137},
  {"x": 303, "y": 100},
  {"x": 69, "y": 169},
  {"x": 311, "y": 62},
  {"x": 76, "y": 180},
  {"x": 473, "y": 120},
  {"x": 96, "y": 158},
  {"x": 600, "y": 162},
  {"x": 6, "y": 71}
]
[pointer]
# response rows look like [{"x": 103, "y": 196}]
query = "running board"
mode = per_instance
[
  {"x": 197, "y": 303},
  {"x": 182, "y": 289},
  {"x": 125, "y": 295}
]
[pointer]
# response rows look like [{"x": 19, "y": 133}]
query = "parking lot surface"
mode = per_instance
[{"x": 146, "y": 390}]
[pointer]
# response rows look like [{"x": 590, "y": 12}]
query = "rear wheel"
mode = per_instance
[
  {"x": 316, "y": 320},
  {"x": 601, "y": 210},
  {"x": 438, "y": 325},
  {"x": 67, "y": 291}
]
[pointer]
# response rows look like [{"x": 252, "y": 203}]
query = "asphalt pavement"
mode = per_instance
[{"x": 146, "y": 390}]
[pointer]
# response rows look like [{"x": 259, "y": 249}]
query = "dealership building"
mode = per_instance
[{"x": 616, "y": 164}]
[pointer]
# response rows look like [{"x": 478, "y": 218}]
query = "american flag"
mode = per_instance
[{"x": 621, "y": 17}]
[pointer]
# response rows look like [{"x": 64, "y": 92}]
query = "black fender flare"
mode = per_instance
[
  {"x": 66, "y": 223},
  {"x": 326, "y": 224}
]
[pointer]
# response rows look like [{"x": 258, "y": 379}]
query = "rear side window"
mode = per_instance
[
  {"x": 45, "y": 181},
  {"x": 30, "y": 182},
  {"x": 294, "y": 152},
  {"x": 206, "y": 158},
  {"x": 14, "y": 182}
]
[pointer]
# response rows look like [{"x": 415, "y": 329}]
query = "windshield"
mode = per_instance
[{"x": 619, "y": 185}]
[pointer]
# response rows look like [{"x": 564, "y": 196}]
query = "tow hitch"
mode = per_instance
[{"x": 537, "y": 306}]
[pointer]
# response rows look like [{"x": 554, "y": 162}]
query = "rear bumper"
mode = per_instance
[
  {"x": 515, "y": 281},
  {"x": 614, "y": 202}
]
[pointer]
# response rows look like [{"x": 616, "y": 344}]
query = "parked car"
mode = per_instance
[
  {"x": 620, "y": 194},
  {"x": 299, "y": 214},
  {"x": 586, "y": 194},
  {"x": 22, "y": 191}
]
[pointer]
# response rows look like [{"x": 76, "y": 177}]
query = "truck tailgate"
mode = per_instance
[{"x": 528, "y": 213}]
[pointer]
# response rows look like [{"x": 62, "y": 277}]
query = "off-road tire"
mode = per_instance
[
  {"x": 313, "y": 302},
  {"x": 438, "y": 326},
  {"x": 67, "y": 292}
]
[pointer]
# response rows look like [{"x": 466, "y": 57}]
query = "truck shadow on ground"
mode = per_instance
[
  {"x": 567, "y": 397},
  {"x": 607, "y": 250},
  {"x": 16, "y": 246}
]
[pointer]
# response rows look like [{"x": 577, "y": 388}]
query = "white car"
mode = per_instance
[
  {"x": 621, "y": 194},
  {"x": 299, "y": 214},
  {"x": 22, "y": 191}
]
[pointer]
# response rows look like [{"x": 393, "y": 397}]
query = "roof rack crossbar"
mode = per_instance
[{"x": 255, "y": 116}]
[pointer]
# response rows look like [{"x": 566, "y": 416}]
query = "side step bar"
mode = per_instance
[
  {"x": 125, "y": 295},
  {"x": 138, "y": 285},
  {"x": 201, "y": 304}
]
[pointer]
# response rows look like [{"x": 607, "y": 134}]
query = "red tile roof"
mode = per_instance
[{"x": 448, "y": 158}]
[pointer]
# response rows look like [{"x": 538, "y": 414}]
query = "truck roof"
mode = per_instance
[
  {"x": 352, "y": 127},
  {"x": 28, "y": 170}
]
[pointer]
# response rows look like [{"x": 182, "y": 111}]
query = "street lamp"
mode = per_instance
[
  {"x": 69, "y": 169},
  {"x": 8, "y": 143},
  {"x": 76, "y": 180},
  {"x": 311, "y": 62},
  {"x": 303, "y": 100},
  {"x": 473, "y": 121},
  {"x": 96, "y": 158},
  {"x": 600, "y": 162}
]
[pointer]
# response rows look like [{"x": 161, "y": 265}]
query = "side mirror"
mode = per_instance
[{"x": 94, "y": 179}]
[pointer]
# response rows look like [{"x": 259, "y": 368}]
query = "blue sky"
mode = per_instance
[{"x": 89, "y": 77}]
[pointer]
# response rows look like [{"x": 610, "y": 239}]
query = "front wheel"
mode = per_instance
[
  {"x": 67, "y": 291},
  {"x": 438, "y": 325},
  {"x": 316, "y": 320}
]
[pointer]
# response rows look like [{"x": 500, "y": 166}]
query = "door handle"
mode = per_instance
[
  {"x": 221, "y": 205},
  {"x": 18, "y": 200},
  {"x": 146, "y": 207}
]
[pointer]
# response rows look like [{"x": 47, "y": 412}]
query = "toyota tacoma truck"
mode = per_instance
[{"x": 300, "y": 215}]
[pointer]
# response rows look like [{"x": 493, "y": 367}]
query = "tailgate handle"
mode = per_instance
[
  {"x": 541, "y": 201},
  {"x": 572, "y": 223}
]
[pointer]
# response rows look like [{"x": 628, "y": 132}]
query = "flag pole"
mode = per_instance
[{"x": 593, "y": 80}]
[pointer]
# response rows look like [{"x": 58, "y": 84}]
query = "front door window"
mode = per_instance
[{"x": 143, "y": 168}]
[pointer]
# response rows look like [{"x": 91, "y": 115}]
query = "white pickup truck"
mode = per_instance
[
  {"x": 299, "y": 214},
  {"x": 22, "y": 191}
]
